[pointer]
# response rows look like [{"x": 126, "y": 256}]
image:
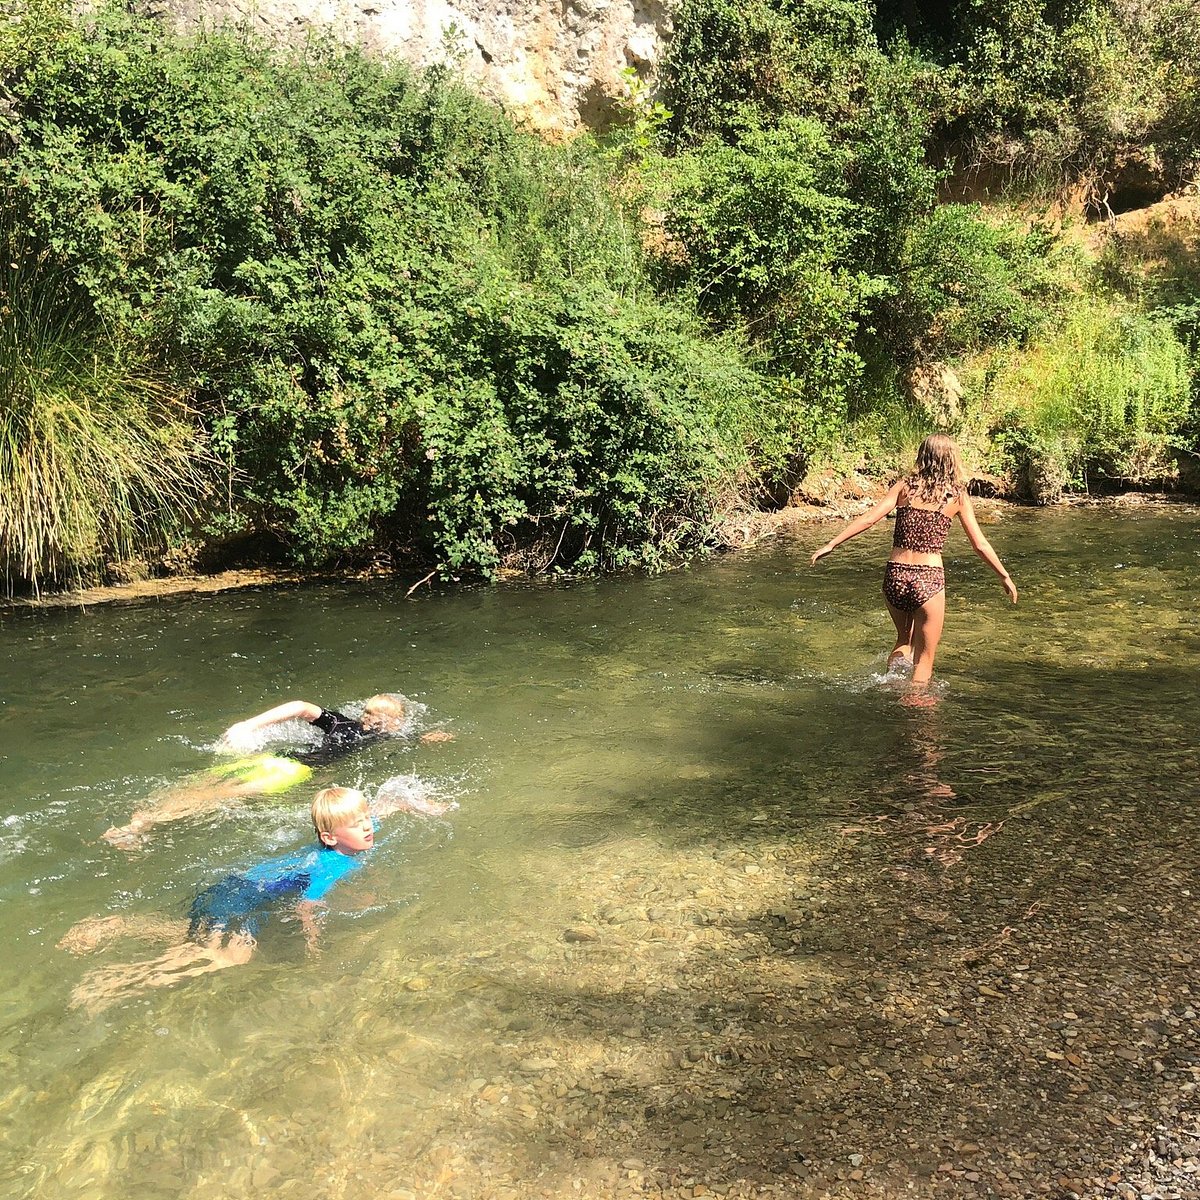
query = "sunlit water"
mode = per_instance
[{"x": 604, "y": 729}]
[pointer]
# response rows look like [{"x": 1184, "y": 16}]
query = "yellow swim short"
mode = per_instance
[{"x": 267, "y": 773}]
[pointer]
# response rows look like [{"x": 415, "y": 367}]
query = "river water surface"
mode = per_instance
[{"x": 638, "y": 764}]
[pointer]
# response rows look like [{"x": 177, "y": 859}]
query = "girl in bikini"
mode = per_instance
[{"x": 914, "y": 582}]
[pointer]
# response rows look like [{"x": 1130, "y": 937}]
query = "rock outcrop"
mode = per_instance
[
  {"x": 556, "y": 63},
  {"x": 936, "y": 390}
]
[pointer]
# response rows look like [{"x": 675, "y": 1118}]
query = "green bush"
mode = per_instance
[
  {"x": 800, "y": 175},
  {"x": 967, "y": 282},
  {"x": 766, "y": 234},
  {"x": 732, "y": 64},
  {"x": 410, "y": 326},
  {"x": 1062, "y": 93},
  {"x": 1101, "y": 400}
]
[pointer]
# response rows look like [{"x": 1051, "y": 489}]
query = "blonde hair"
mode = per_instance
[
  {"x": 939, "y": 472},
  {"x": 333, "y": 807},
  {"x": 385, "y": 705}
]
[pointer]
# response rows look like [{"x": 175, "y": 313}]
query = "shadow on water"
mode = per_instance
[{"x": 923, "y": 996}]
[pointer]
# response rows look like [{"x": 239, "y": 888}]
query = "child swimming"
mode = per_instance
[
  {"x": 914, "y": 582},
  {"x": 383, "y": 715},
  {"x": 225, "y": 919}
]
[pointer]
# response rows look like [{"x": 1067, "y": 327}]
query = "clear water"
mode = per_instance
[{"x": 614, "y": 738}]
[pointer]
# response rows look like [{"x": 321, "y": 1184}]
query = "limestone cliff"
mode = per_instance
[{"x": 556, "y": 63}]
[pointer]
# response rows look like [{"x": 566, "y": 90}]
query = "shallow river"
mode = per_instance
[{"x": 604, "y": 732}]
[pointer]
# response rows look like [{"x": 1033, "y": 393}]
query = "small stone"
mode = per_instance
[
  {"x": 534, "y": 1066},
  {"x": 264, "y": 1177}
]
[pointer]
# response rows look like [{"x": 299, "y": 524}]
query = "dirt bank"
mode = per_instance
[{"x": 747, "y": 529}]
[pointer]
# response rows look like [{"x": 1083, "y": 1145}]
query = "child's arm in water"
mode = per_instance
[
  {"x": 307, "y": 912},
  {"x": 421, "y": 805},
  {"x": 862, "y": 523},
  {"x": 983, "y": 547},
  {"x": 402, "y": 793},
  {"x": 292, "y": 710}
]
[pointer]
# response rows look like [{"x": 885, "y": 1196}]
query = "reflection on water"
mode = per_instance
[{"x": 636, "y": 762}]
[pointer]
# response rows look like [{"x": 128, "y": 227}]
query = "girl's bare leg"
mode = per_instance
[
  {"x": 902, "y": 651},
  {"x": 927, "y": 632}
]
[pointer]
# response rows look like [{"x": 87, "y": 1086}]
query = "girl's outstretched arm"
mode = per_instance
[
  {"x": 983, "y": 547},
  {"x": 862, "y": 523}
]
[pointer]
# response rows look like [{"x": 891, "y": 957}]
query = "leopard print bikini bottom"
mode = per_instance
[{"x": 907, "y": 586}]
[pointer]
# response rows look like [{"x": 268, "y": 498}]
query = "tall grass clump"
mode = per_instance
[
  {"x": 1100, "y": 401},
  {"x": 99, "y": 461}
]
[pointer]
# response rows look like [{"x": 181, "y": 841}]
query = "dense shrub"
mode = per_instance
[
  {"x": 766, "y": 228},
  {"x": 811, "y": 217},
  {"x": 966, "y": 282},
  {"x": 1101, "y": 400},
  {"x": 729, "y": 63},
  {"x": 1062, "y": 92},
  {"x": 410, "y": 326}
]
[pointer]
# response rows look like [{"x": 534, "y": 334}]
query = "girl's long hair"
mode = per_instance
[{"x": 939, "y": 470}]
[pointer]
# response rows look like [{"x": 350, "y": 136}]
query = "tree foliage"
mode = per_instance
[{"x": 409, "y": 326}]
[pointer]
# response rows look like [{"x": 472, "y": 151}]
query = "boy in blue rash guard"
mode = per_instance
[
  {"x": 238, "y": 903},
  {"x": 225, "y": 918}
]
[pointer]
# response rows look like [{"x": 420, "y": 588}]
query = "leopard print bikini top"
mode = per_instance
[{"x": 922, "y": 530}]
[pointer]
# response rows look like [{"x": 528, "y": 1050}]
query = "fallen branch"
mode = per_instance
[{"x": 419, "y": 582}]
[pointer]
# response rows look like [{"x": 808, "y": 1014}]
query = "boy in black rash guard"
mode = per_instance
[
  {"x": 382, "y": 716},
  {"x": 265, "y": 774}
]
